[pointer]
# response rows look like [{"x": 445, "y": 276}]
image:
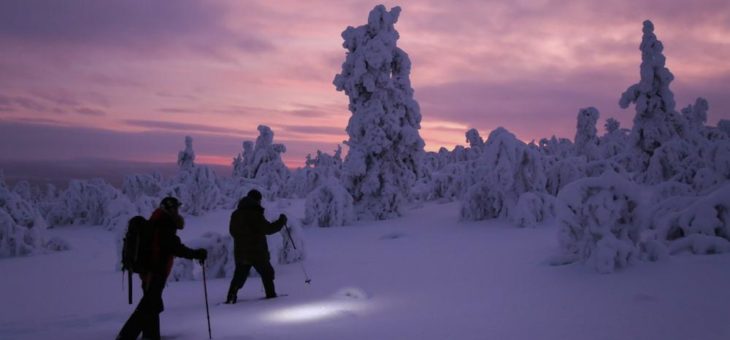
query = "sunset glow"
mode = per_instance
[{"x": 129, "y": 79}]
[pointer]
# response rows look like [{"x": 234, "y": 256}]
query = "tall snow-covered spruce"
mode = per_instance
[
  {"x": 384, "y": 159},
  {"x": 656, "y": 120}
]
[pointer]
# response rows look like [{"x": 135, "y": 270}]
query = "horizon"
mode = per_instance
[{"x": 115, "y": 82}]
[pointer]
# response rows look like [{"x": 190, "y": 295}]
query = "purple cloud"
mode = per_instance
[
  {"x": 185, "y": 127},
  {"x": 90, "y": 112}
]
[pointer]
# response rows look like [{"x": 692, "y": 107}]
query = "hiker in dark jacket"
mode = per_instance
[
  {"x": 249, "y": 228},
  {"x": 165, "y": 245}
]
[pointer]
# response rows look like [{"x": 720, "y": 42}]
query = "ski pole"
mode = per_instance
[
  {"x": 205, "y": 288},
  {"x": 307, "y": 280}
]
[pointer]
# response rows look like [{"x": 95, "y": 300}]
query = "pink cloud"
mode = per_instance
[{"x": 222, "y": 69}]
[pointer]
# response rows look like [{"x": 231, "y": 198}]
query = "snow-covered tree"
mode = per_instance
[
  {"x": 329, "y": 205},
  {"x": 506, "y": 168},
  {"x": 586, "y": 141},
  {"x": 613, "y": 142},
  {"x": 22, "y": 228},
  {"x": 197, "y": 189},
  {"x": 186, "y": 158},
  {"x": 533, "y": 209},
  {"x": 242, "y": 161},
  {"x": 599, "y": 220},
  {"x": 317, "y": 170},
  {"x": 562, "y": 171},
  {"x": 85, "y": 201},
  {"x": 724, "y": 126},
  {"x": 384, "y": 159},
  {"x": 135, "y": 186},
  {"x": 144, "y": 191},
  {"x": 556, "y": 147},
  {"x": 696, "y": 115},
  {"x": 263, "y": 163},
  {"x": 656, "y": 120}
]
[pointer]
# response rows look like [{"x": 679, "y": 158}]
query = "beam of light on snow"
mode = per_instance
[{"x": 312, "y": 311}]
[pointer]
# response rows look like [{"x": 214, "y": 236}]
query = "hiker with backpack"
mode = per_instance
[
  {"x": 249, "y": 228},
  {"x": 155, "y": 250}
]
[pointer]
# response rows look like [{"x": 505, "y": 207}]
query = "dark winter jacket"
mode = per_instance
[
  {"x": 165, "y": 243},
  {"x": 249, "y": 228}
]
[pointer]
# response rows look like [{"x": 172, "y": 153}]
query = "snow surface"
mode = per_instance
[{"x": 421, "y": 276}]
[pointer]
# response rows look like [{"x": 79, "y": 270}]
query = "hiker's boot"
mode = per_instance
[
  {"x": 232, "y": 296},
  {"x": 269, "y": 288}
]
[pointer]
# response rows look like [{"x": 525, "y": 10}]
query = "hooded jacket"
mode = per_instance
[
  {"x": 166, "y": 245},
  {"x": 249, "y": 228}
]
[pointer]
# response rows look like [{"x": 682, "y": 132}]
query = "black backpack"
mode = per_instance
[{"x": 136, "y": 248}]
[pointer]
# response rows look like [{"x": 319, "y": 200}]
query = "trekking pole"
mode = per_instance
[
  {"x": 307, "y": 280},
  {"x": 205, "y": 288}
]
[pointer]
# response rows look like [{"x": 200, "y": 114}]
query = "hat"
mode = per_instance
[
  {"x": 170, "y": 203},
  {"x": 254, "y": 194}
]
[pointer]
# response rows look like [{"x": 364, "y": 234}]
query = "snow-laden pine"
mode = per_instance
[
  {"x": 385, "y": 148},
  {"x": 262, "y": 162}
]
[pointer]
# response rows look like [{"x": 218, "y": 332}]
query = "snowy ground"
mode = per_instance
[{"x": 423, "y": 276}]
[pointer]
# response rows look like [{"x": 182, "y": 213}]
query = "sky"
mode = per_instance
[{"x": 128, "y": 80}]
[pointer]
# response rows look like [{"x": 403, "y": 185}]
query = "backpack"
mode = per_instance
[
  {"x": 136, "y": 248},
  {"x": 137, "y": 245}
]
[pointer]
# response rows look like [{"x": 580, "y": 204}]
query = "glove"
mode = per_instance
[
  {"x": 200, "y": 254},
  {"x": 282, "y": 218}
]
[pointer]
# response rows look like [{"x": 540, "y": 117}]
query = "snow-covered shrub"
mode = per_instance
[
  {"x": 22, "y": 227},
  {"x": 23, "y": 190},
  {"x": 448, "y": 183},
  {"x": 317, "y": 170},
  {"x": 56, "y": 244},
  {"x": 533, "y": 209},
  {"x": 234, "y": 188},
  {"x": 263, "y": 163},
  {"x": 186, "y": 158},
  {"x": 563, "y": 172},
  {"x": 196, "y": 188},
  {"x": 242, "y": 162},
  {"x": 182, "y": 270},
  {"x": 506, "y": 168},
  {"x": 329, "y": 205},
  {"x": 695, "y": 116},
  {"x": 613, "y": 142},
  {"x": 138, "y": 185},
  {"x": 724, "y": 126},
  {"x": 483, "y": 202},
  {"x": 586, "y": 141},
  {"x": 700, "y": 224},
  {"x": 557, "y": 147},
  {"x": 85, "y": 201},
  {"x": 220, "y": 261},
  {"x": 600, "y": 222},
  {"x": 292, "y": 244},
  {"x": 675, "y": 160},
  {"x": 385, "y": 148},
  {"x": 118, "y": 209}
]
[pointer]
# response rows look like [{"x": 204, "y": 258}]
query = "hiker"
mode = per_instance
[
  {"x": 164, "y": 246},
  {"x": 249, "y": 228}
]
